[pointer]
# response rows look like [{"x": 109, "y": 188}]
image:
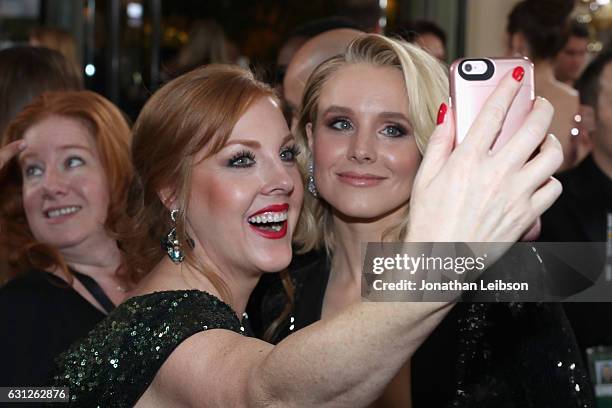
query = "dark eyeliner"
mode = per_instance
[
  {"x": 241, "y": 156},
  {"x": 293, "y": 149}
]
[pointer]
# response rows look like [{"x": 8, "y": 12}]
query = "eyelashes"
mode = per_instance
[
  {"x": 246, "y": 158},
  {"x": 392, "y": 130},
  {"x": 290, "y": 153},
  {"x": 242, "y": 159},
  {"x": 37, "y": 170},
  {"x": 342, "y": 124}
]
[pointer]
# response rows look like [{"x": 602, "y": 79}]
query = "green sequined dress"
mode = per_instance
[{"x": 117, "y": 361}]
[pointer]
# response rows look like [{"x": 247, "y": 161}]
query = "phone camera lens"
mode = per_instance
[{"x": 467, "y": 67}]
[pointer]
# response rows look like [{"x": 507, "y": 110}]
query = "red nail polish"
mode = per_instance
[
  {"x": 518, "y": 73},
  {"x": 441, "y": 113}
]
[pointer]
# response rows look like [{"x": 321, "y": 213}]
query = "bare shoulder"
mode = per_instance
[
  {"x": 558, "y": 93},
  {"x": 211, "y": 368},
  {"x": 568, "y": 90}
]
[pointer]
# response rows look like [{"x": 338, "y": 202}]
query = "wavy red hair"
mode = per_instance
[{"x": 112, "y": 135}]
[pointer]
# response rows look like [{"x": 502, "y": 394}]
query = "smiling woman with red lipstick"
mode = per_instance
[
  {"x": 63, "y": 200},
  {"x": 368, "y": 115}
]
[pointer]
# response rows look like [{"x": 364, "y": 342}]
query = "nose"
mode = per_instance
[
  {"x": 54, "y": 183},
  {"x": 277, "y": 179},
  {"x": 362, "y": 148}
]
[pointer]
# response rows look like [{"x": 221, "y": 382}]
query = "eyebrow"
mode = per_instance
[
  {"x": 255, "y": 144},
  {"x": 394, "y": 115},
  {"x": 287, "y": 138},
  {"x": 385, "y": 115},
  {"x": 250, "y": 143},
  {"x": 337, "y": 109},
  {"x": 65, "y": 147}
]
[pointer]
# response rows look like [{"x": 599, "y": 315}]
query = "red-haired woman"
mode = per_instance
[{"x": 64, "y": 186}]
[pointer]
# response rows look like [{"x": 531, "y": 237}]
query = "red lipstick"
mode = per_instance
[
  {"x": 271, "y": 208},
  {"x": 269, "y": 232}
]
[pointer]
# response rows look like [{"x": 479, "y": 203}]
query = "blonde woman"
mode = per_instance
[{"x": 366, "y": 144}]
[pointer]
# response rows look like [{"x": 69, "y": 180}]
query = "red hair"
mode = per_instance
[
  {"x": 112, "y": 135},
  {"x": 193, "y": 112}
]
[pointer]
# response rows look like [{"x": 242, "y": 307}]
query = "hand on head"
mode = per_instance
[
  {"x": 11, "y": 150},
  {"x": 467, "y": 194}
]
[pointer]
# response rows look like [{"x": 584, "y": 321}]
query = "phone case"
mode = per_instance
[{"x": 469, "y": 95}]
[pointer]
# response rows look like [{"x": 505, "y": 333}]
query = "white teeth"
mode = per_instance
[
  {"x": 62, "y": 211},
  {"x": 269, "y": 217}
]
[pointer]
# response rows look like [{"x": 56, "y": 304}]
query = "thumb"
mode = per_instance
[{"x": 440, "y": 145}]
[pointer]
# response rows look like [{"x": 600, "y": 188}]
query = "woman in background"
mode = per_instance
[
  {"x": 536, "y": 29},
  {"x": 58, "y": 40},
  {"x": 26, "y": 72},
  {"x": 62, "y": 204}
]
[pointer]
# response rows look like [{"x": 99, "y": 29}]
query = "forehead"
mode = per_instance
[
  {"x": 366, "y": 87},
  {"x": 263, "y": 121},
  {"x": 56, "y": 132}
]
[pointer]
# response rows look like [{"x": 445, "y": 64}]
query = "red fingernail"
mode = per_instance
[
  {"x": 518, "y": 73},
  {"x": 441, "y": 113}
]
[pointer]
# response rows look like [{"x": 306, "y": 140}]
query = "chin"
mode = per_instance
[
  {"x": 362, "y": 210},
  {"x": 274, "y": 263},
  {"x": 66, "y": 242}
]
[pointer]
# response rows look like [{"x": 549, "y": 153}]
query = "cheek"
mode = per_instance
[
  {"x": 297, "y": 197},
  {"x": 32, "y": 202},
  {"x": 224, "y": 197},
  {"x": 404, "y": 163},
  {"x": 328, "y": 150},
  {"x": 95, "y": 187}
]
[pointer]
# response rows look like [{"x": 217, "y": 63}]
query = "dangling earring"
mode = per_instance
[
  {"x": 311, "y": 186},
  {"x": 170, "y": 242}
]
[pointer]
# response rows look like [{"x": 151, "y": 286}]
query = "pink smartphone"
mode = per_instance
[{"x": 472, "y": 80}]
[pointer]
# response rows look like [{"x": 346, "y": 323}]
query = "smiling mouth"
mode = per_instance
[
  {"x": 269, "y": 221},
  {"x": 58, "y": 212},
  {"x": 360, "y": 180}
]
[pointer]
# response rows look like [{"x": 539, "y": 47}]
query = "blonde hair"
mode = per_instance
[{"x": 426, "y": 86}]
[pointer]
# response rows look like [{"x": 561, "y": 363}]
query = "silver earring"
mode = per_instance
[
  {"x": 170, "y": 242},
  {"x": 311, "y": 186}
]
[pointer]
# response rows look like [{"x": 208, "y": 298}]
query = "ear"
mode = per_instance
[
  {"x": 309, "y": 135},
  {"x": 168, "y": 198},
  {"x": 518, "y": 45}
]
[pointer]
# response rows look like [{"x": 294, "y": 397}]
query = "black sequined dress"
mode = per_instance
[
  {"x": 498, "y": 355},
  {"x": 118, "y": 360}
]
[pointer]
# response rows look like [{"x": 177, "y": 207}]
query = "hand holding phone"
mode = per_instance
[
  {"x": 473, "y": 80},
  {"x": 465, "y": 192}
]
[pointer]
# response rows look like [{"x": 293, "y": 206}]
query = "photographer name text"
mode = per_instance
[{"x": 455, "y": 285}]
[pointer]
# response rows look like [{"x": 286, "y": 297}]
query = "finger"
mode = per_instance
[
  {"x": 489, "y": 121},
  {"x": 11, "y": 150},
  {"x": 530, "y": 135},
  {"x": 543, "y": 165},
  {"x": 546, "y": 195},
  {"x": 533, "y": 232},
  {"x": 439, "y": 146}
]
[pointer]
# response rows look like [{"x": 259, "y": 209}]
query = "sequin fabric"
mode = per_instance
[
  {"x": 117, "y": 361},
  {"x": 485, "y": 355}
]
